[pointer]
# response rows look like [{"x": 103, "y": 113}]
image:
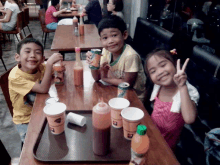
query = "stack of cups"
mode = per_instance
[
  {"x": 131, "y": 117},
  {"x": 55, "y": 114},
  {"x": 117, "y": 104}
]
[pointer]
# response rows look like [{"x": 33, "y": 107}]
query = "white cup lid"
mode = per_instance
[
  {"x": 132, "y": 113},
  {"x": 118, "y": 103},
  {"x": 54, "y": 108}
]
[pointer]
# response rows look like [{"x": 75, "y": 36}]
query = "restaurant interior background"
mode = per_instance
[{"x": 198, "y": 20}]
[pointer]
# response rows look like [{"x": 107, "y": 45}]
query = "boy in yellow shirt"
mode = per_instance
[
  {"x": 119, "y": 62},
  {"x": 26, "y": 79}
]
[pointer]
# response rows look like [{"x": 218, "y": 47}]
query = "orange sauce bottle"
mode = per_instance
[
  {"x": 101, "y": 121},
  {"x": 81, "y": 26},
  {"x": 78, "y": 69},
  {"x": 139, "y": 145},
  {"x": 75, "y": 22}
]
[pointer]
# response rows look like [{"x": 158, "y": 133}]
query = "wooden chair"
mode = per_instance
[
  {"x": 5, "y": 89},
  {"x": 43, "y": 25},
  {"x": 26, "y": 19},
  {"x": 18, "y": 28},
  {"x": 2, "y": 58}
]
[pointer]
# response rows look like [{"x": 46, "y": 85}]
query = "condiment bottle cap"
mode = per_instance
[
  {"x": 141, "y": 129},
  {"x": 77, "y": 49},
  {"x": 102, "y": 107}
]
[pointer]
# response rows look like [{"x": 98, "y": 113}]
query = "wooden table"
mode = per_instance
[
  {"x": 70, "y": 14},
  {"x": 66, "y": 41},
  {"x": 84, "y": 98}
]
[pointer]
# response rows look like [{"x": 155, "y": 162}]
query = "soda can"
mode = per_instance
[
  {"x": 96, "y": 56},
  {"x": 122, "y": 89}
]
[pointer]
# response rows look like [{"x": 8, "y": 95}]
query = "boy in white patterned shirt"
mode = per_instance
[{"x": 119, "y": 61}]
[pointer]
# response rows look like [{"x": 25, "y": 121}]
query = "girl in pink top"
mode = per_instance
[
  {"x": 174, "y": 98},
  {"x": 52, "y": 12}
]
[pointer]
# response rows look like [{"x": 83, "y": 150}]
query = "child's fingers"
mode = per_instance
[
  {"x": 185, "y": 64},
  {"x": 178, "y": 65},
  {"x": 104, "y": 64}
]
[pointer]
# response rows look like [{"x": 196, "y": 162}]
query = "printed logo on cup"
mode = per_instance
[
  {"x": 129, "y": 135},
  {"x": 58, "y": 120},
  {"x": 52, "y": 129},
  {"x": 115, "y": 123}
]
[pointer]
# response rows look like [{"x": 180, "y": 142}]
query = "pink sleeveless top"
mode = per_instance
[{"x": 170, "y": 124}]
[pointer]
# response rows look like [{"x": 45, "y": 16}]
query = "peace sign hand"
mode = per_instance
[{"x": 180, "y": 77}]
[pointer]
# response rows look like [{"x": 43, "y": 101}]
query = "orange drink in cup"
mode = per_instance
[
  {"x": 131, "y": 118},
  {"x": 55, "y": 114},
  {"x": 116, "y": 105}
]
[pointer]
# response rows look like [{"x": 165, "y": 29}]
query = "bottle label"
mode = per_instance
[{"x": 136, "y": 159}]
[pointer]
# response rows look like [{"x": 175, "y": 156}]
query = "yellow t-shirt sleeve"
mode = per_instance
[
  {"x": 132, "y": 63},
  {"x": 21, "y": 86}
]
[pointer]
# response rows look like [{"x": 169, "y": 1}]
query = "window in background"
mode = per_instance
[{"x": 198, "y": 19}]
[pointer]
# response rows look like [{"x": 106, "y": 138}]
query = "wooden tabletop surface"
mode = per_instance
[
  {"x": 84, "y": 98},
  {"x": 70, "y": 14},
  {"x": 65, "y": 39}
]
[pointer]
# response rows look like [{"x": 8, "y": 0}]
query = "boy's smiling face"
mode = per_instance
[
  {"x": 31, "y": 56},
  {"x": 113, "y": 40}
]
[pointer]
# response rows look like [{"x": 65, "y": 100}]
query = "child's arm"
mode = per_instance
[
  {"x": 7, "y": 17},
  {"x": 130, "y": 77},
  {"x": 188, "y": 107},
  {"x": 131, "y": 72},
  {"x": 2, "y": 10},
  {"x": 44, "y": 86},
  {"x": 55, "y": 14}
]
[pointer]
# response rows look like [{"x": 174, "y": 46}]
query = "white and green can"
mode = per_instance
[
  {"x": 95, "y": 59},
  {"x": 122, "y": 89}
]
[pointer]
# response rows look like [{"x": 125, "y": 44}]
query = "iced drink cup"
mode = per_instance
[
  {"x": 116, "y": 105},
  {"x": 55, "y": 114},
  {"x": 131, "y": 117}
]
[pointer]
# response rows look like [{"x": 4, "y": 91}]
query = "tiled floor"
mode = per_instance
[{"x": 8, "y": 133}]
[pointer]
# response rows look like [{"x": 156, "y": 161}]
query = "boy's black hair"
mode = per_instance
[
  {"x": 55, "y": 2},
  {"x": 118, "y": 5},
  {"x": 112, "y": 21},
  {"x": 29, "y": 40}
]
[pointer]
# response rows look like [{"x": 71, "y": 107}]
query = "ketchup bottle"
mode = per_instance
[
  {"x": 78, "y": 69},
  {"x": 139, "y": 146},
  {"x": 101, "y": 121},
  {"x": 81, "y": 26},
  {"x": 75, "y": 22}
]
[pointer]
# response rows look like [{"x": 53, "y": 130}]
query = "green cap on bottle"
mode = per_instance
[{"x": 141, "y": 129}]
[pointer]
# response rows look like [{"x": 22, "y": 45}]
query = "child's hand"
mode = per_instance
[
  {"x": 180, "y": 77},
  {"x": 104, "y": 69},
  {"x": 88, "y": 57},
  {"x": 54, "y": 58},
  {"x": 64, "y": 10}
]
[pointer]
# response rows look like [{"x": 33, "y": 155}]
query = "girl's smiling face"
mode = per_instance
[{"x": 161, "y": 70}]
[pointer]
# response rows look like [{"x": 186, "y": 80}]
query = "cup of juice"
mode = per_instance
[
  {"x": 55, "y": 114},
  {"x": 116, "y": 105},
  {"x": 131, "y": 118}
]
